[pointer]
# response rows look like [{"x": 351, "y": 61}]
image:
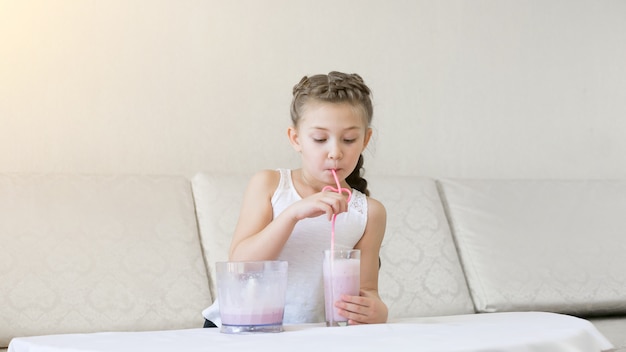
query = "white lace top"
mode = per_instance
[{"x": 303, "y": 250}]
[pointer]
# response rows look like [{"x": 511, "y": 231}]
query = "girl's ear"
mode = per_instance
[
  {"x": 368, "y": 136},
  {"x": 294, "y": 138}
]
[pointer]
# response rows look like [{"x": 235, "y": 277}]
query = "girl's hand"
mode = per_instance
[
  {"x": 367, "y": 308},
  {"x": 329, "y": 203}
]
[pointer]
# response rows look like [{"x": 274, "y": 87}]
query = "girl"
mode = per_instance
[{"x": 286, "y": 216}]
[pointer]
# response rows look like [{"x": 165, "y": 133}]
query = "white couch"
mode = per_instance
[{"x": 83, "y": 253}]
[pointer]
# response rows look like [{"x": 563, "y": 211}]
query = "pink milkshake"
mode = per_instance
[{"x": 341, "y": 277}]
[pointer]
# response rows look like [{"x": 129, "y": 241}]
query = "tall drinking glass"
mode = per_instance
[{"x": 342, "y": 276}]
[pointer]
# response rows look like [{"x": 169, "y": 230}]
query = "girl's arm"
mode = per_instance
[
  {"x": 255, "y": 216},
  {"x": 260, "y": 237}
]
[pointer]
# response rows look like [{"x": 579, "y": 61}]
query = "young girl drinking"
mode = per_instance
[{"x": 286, "y": 215}]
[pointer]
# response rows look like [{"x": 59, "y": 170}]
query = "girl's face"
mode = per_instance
[{"x": 329, "y": 136}]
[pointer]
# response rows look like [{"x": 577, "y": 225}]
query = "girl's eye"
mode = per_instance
[
  {"x": 349, "y": 141},
  {"x": 319, "y": 140}
]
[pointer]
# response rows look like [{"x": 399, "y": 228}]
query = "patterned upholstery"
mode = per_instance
[
  {"x": 420, "y": 274},
  {"x": 218, "y": 200},
  {"x": 92, "y": 253}
]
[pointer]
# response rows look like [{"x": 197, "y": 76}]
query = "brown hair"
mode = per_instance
[{"x": 336, "y": 87}]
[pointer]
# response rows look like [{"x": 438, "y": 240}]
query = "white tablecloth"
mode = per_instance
[{"x": 515, "y": 332}]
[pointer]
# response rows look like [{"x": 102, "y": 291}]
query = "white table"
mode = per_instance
[{"x": 525, "y": 331}]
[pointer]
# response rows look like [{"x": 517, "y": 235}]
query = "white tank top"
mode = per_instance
[{"x": 304, "y": 252}]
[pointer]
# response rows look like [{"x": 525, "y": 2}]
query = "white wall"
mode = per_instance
[{"x": 524, "y": 89}]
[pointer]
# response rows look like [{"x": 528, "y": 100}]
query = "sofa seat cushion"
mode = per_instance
[
  {"x": 541, "y": 244},
  {"x": 93, "y": 253},
  {"x": 421, "y": 274}
]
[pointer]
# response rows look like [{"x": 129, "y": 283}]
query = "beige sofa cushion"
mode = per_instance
[
  {"x": 95, "y": 253},
  {"x": 421, "y": 274},
  {"x": 541, "y": 245},
  {"x": 218, "y": 200}
]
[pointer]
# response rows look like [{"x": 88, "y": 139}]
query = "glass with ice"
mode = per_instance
[
  {"x": 341, "y": 269},
  {"x": 251, "y": 295}
]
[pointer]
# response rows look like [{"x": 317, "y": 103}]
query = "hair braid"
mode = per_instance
[{"x": 355, "y": 180}]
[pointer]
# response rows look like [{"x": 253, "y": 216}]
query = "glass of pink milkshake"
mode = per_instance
[
  {"x": 342, "y": 276},
  {"x": 251, "y": 296}
]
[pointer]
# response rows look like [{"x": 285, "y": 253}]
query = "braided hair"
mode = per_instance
[{"x": 336, "y": 87}]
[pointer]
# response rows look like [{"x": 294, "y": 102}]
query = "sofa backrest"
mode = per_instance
[
  {"x": 420, "y": 274},
  {"x": 549, "y": 245},
  {"x": 98, "y": 253},
  {"x": 218, "y": 200}
]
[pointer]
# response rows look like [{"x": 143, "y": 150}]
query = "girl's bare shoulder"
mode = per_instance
[
  {"x": 375, "y": 208},
  {"x": 264, "y": 181}
]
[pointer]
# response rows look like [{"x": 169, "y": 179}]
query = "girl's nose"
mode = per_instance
[{"x": 335, "y": 153}]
